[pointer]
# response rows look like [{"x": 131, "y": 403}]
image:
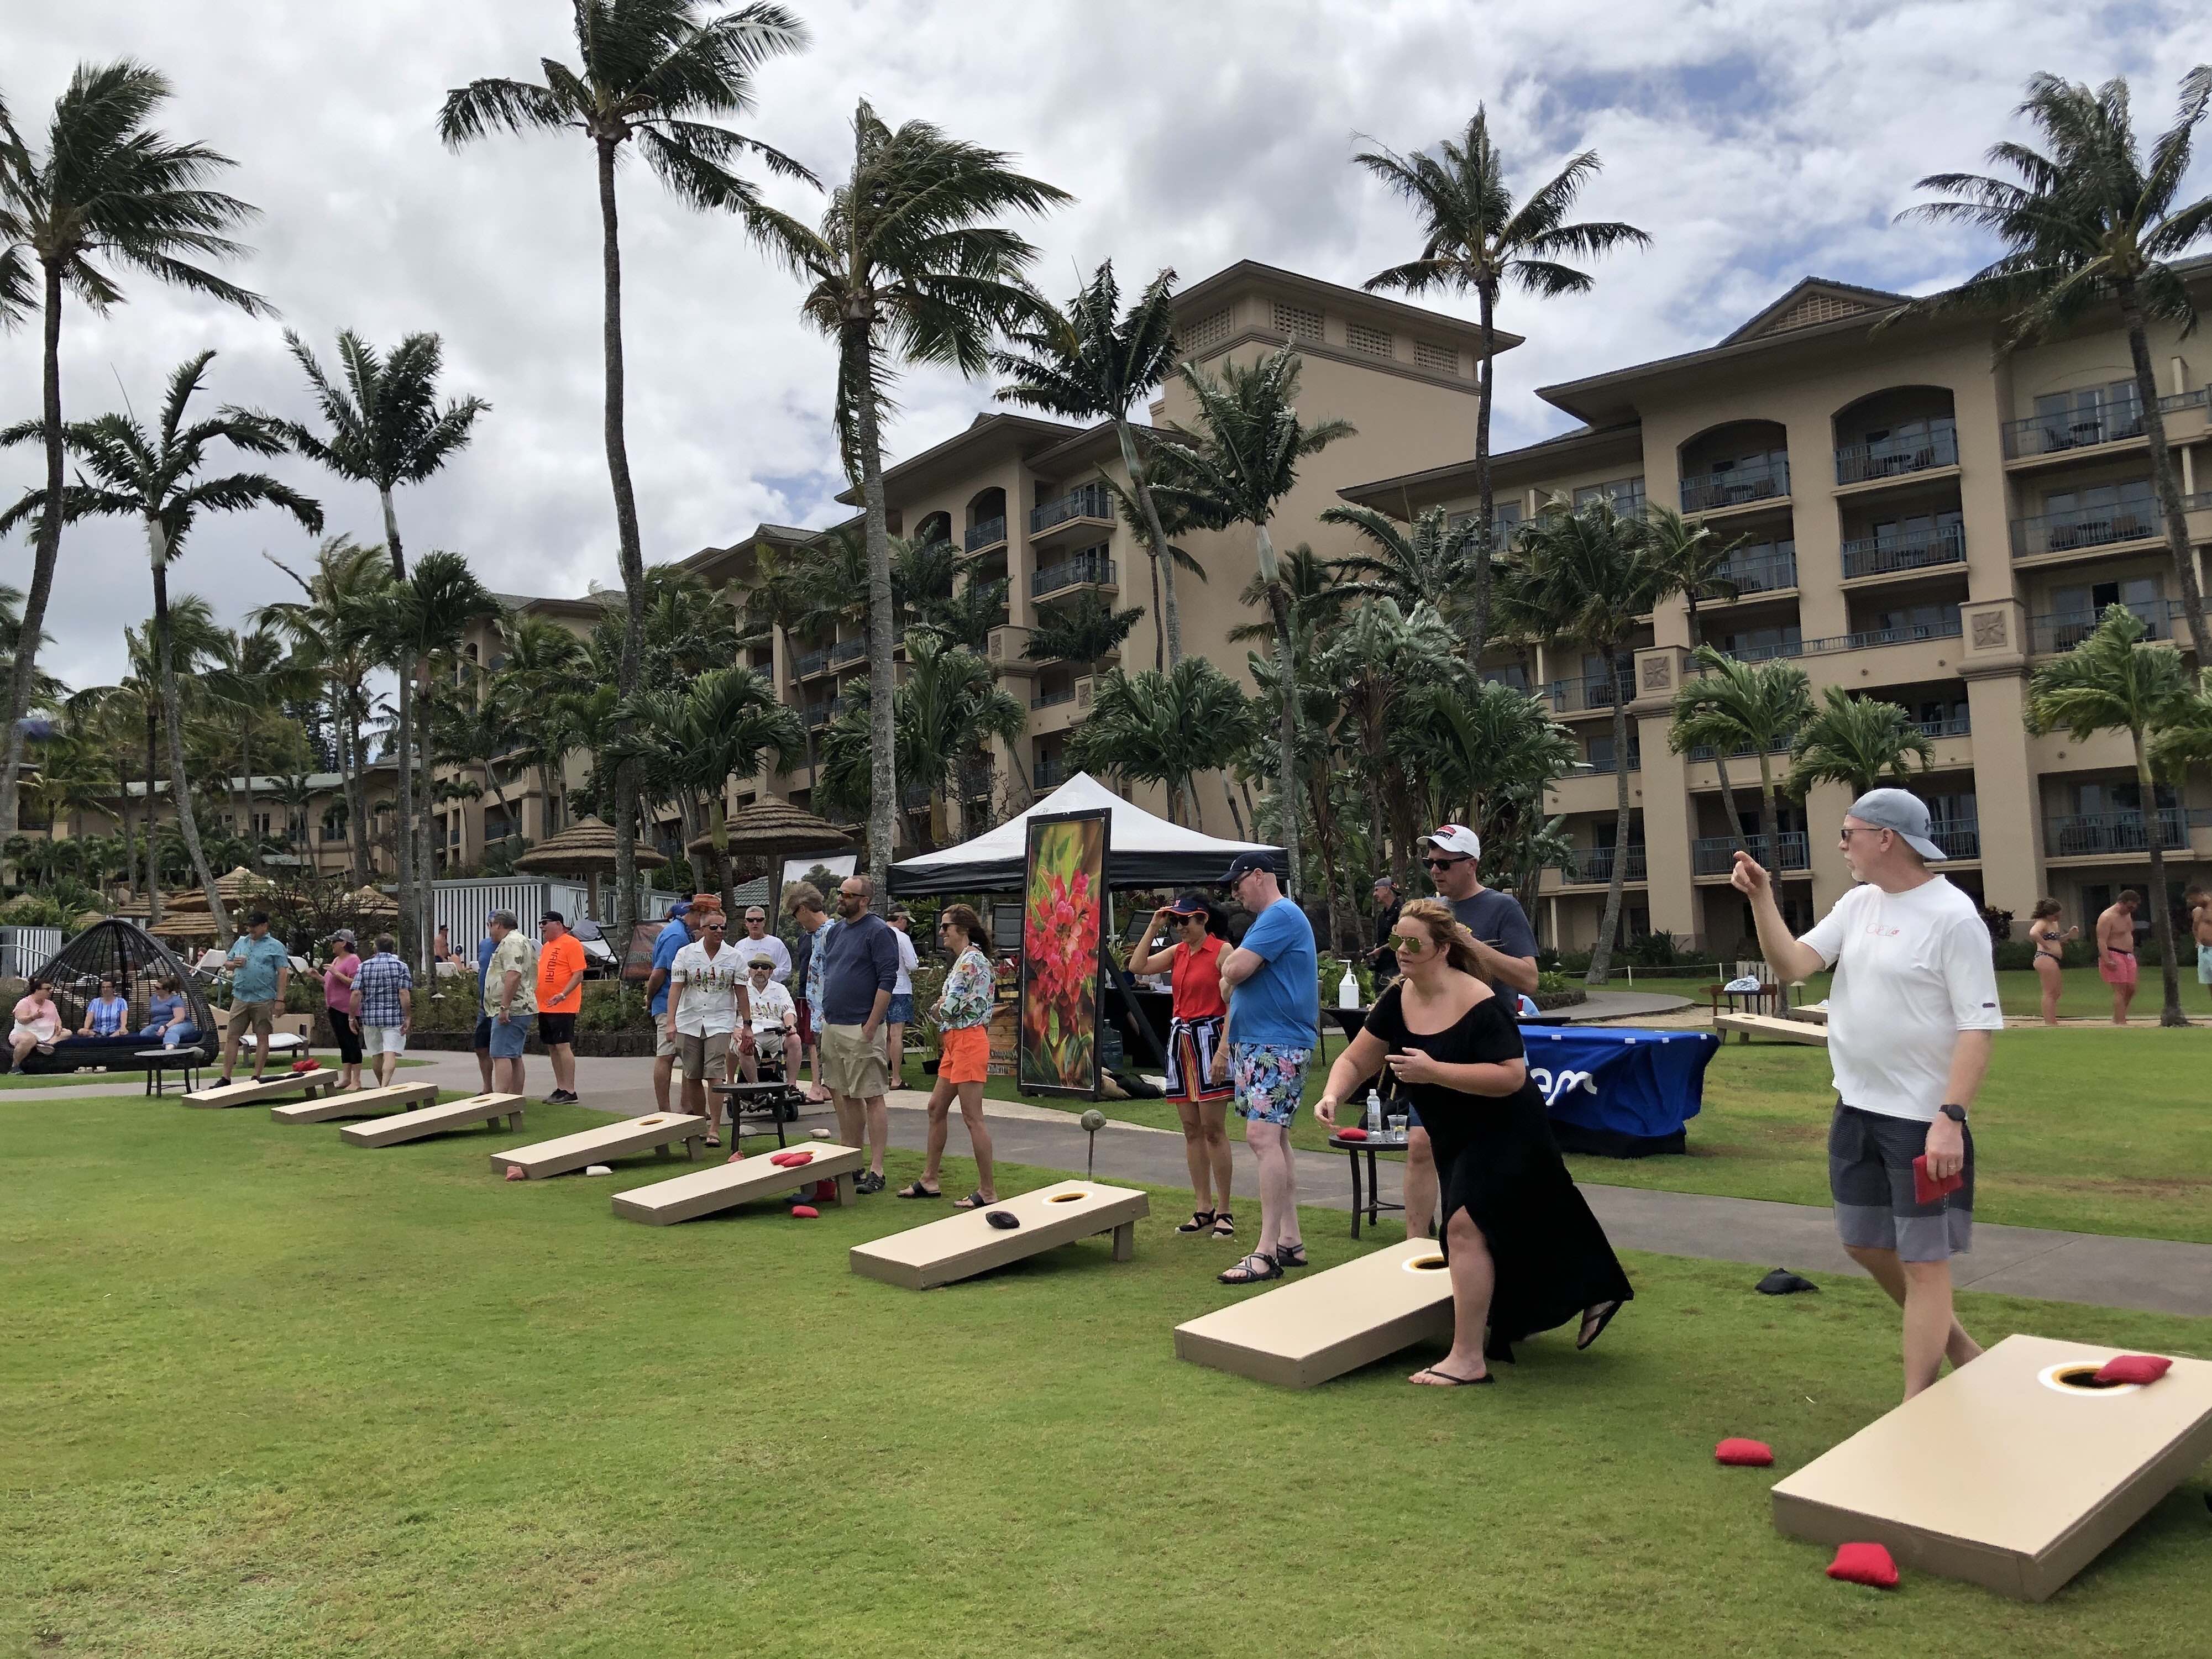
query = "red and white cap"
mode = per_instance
[{"x": 1455, "y": 838}]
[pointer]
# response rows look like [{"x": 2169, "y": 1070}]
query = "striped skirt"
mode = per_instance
[{"x": 1191, "y": 1045}]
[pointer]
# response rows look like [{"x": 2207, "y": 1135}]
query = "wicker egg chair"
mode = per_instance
[{"x": 138, "y": 962}]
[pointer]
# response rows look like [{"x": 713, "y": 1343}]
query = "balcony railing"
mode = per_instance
[
  {"x": 1950, "y": 628},
  {"x": 2085, "y": 833},
  {"x": 1595, "y": 863},
  {"x": 2075, "y": 428},
  {"x": 1955, "y": 726},
  {"x": 1762, "y": 573},
  {"x": 1890, "y": 458},
  {"x": 818, "y": 715},
  {"x": 2062, "y": 630},
  {"x": 1957, "y": 840},
  {"x": 988, "y": 533},
  {"x": 1706, "y": 751},
  {"x": 1052, "y": 699},
  {"x": 1768, "y": 652},
  {"x": 1071, "y": 573},
  {"x": 847, "y": 651},
  {"x": 975, "y": 783},
  {"x": 1603, "y": 766},
  {"x": 1091, "y": 501},
  {"x": 813, "y": 663},
  {"x": 1714, "y": 856},
  {"x": 1595, "y": 692},
  {"x": 1737, "y": 487},
  {"x": 1879, "y": 555},
  {"x": 2085, "y": 526},
  {"x": 1049, "y": 774}
]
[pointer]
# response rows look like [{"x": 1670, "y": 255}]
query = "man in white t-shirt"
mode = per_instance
[
  {"x": 1911, "y": 1014},
  {"x": 706, "y": 1002}
]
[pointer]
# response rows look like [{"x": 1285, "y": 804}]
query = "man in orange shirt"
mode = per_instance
[{"x": 560, "y": 999}]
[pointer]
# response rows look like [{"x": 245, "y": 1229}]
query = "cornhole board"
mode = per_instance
[
  {"x": 487, "y": 1109},
  {"x": 656, "y": 1132},
  {"x": 276, "y": 1087},
  {"x": 1304, "y": 1333},
  {"x": 360, "y": 1103},
  {"x": 964, "y": 1244},
  {"x": 1811, "y": 1013},
  {"x": 1747, "y": 1026},
  {"x": 680, "y": 1198},
  {"x": 2004, "y": 1475}
]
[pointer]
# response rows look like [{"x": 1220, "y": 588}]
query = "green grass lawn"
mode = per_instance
[
  {"x": 268, "y": 1395},
  {"x": 2084, "y": 1129}
]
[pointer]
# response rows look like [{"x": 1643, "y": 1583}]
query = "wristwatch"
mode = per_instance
[{"x": 1957, "y": 1114}]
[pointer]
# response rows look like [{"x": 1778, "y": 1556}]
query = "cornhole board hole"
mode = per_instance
[
  {"x": 487, "y": 1109},
  {"x": 2007, "y": 1473},
  {"x": 965, "y": 1244},
  {"x": 1748, "y": 1026},
  {"x": 681, "y": 1198},
  {"x": 656, "y": 1132},
  {"x": 1307, "y": 1331},
  {"x": 362, "y": 1102},
  {"x": 277, "y": 1085}
]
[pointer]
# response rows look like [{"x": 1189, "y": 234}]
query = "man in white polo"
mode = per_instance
[{"x": 1911, "y": 1014}]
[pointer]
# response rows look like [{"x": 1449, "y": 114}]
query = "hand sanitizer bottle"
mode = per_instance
[{"x": 1347, "y": 989}]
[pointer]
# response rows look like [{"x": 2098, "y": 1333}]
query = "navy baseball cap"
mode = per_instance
[
  {"x": 1244, "y": 863},
  {"x": 682, "y": 907}
]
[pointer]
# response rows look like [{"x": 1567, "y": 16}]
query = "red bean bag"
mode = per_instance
[
  {"x": 2133, "y": 1368},
  {"x": 805, "y": 1212},
  {"x": 790, "y": 1160},
  {"x": 1750, "y": 1453},
  {"x": 1354, "y": 1133},
  {"x": 308, "y": 1064},
  {"x": 825, "y": 1191},
  {"x": 1864, "y": 1564},
  {"x": 734, "y": 1157},
  {"x": 516, "y": 1172}
]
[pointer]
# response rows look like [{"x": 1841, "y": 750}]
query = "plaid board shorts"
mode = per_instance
[
  {"x": 1870, "y": 1177},
  {"x": 1270, "y": 1080}
]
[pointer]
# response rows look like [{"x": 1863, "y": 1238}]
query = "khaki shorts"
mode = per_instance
[
  {"x": 852, "y": 1066},
  {"x": 704, "y": 1058},
  {"x": 261, "y": 1016}
]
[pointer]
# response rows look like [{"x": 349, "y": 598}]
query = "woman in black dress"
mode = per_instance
[{"x": 1526, "y": 1253}]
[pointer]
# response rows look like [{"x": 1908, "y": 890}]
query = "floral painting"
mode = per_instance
[{"x": 1063, "y": 911}]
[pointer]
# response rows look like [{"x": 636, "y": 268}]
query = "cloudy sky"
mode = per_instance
[{"x": 1755, "y": 141}]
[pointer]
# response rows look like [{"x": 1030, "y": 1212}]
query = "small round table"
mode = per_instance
[
  {"x": 160, "y": 1062},
  {"x": 1372, "y": 1201}
]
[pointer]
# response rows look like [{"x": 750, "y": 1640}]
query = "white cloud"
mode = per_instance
[{"x": 1755, "y": 141}]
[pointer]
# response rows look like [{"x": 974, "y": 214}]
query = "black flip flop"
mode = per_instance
[
  {"x": 1450, "y": 1382},
  {"x": 975, "y": 1200},
  {"x": 915, "y": 1189},
  {"x": 1588, "y": 1336},
  {"x": 1201, "y": 1221}
]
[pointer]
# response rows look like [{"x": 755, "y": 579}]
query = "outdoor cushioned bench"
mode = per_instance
[
  {"x": 360, "y": 1102},
  {"x": 487, "y": 1110},
  {"x": 965, "y": 1245},
  {"x": 682, "y": 1198},
  {"x": 656, "y": 1132}
]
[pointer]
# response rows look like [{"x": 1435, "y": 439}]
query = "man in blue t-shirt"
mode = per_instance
[
  {"x": 672, "y": 938},
  {"x": 1273, "y": 983},
  {"x": 260, "y": 972},
  {"x": 482, "y": 1040}
]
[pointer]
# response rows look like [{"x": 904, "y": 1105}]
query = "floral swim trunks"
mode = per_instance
[{"x": 1270, "y": 1080}]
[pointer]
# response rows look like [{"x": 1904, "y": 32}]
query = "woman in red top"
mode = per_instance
[{"x": 1201, "y": 932}]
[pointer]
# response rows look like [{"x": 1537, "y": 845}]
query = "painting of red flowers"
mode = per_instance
[{"x": 1063, "y": 912}]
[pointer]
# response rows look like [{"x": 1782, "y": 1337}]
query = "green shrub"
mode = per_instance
[
  {"x": 611, "y": 1004},
  {"x": 2020, "y": 953},
  {"x": 31, "y": 910}
]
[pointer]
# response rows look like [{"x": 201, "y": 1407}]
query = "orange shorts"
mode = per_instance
[{"x": 964, "y": 1055}]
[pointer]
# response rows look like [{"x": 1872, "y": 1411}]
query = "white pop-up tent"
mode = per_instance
[{"x": 1141, "y": 850}]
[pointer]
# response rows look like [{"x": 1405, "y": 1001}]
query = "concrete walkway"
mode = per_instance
[
  {"x": 1619, "y": 1005},
  {"x": 2155, "y": 1275}
]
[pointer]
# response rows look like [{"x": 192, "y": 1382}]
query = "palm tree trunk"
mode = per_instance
[
  {"x": 46, "y": 554},
  {"x": 1286, "y": 780},
  {"x": 630, "y": 547},
  {"x": 1720, "y": 761},
  {"x": 2161, "y": 909},
  {"x": 356, "y": 800},
  {"x": 1159, "y": 617},
  {"x": 153, "y": 850},
  {"x": 883, "y": 764},
  {"x": 2162, "y": 472},
  {"x": 180, "y": 788},
  {"x": 402, "y": 838},
  {"x": 429, "y": 836},
  {"x": 246, "y": 765},
  {"x": 1478, "y": 624},
  {"x": 1163, "y": 561},
  {"x": 1769, "y": 823},
  {"x": 1602, "y": 955}
]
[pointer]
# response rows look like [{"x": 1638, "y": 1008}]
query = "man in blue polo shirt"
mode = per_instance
[
  {"x": 672, "y": 938},
  {"x": 482, "y": 1040},
  {"x": 260, "y": 971}
]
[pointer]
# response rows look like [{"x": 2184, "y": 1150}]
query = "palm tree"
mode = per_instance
[
  {"x": 388, "y": 428},
  {"x": 1587, "y": 577},
  {"x": 109, "y": 194},
  {"x": 1486, "y": 758},
  {"x": 1376, "y": 659},
  {"x": 253, "y": 676},
  {"x": 1856, "y": 742},
  {"x": 654, "y": 74},
  {"x": 2114, "y": 681},
  {"x": 780, "y": 602},
  {"x": 1236, "y": 468},
  {"x": 1080, "y": 632},
  {"x": 1694, "y": 561},
  {"x": 2088, "y": 224},
  {"x": 1165, "y": 729},
  {"x": 1728, "y": 705},
  {"x": 1173, "y": 522},
  {"x": 1476, "y": 241},
  {"x": 1090, "y": 363},
  {"x": 314, "y": 627},
  {"x": 155, "y": 479},
  {"x": 418, "y": 622},
  {"x": 47, "y": 691},
  {"x": 905, "y": 264},
  {"x": 1431, "y": 562},
  {"x": 542, "y": 657}
]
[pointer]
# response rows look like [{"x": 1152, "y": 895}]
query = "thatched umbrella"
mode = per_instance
[
  {"x": 768, "y": 828},
  {"x": 185, "y": 924},
  {"x": 373, "y": 903},
  {"x": 585, "y": 848},
  {"x": 240, "y": 885}
]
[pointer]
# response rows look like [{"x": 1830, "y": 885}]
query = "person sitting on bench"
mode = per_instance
[
  {"x": 106, "y": 1014},
  {"x": 169, "y": 1017},
  {"x": 38, "y": 1022},
  {"x": 774, "y": 1014}
]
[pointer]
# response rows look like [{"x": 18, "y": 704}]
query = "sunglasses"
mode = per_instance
[
  {"x": 716, "y": 926},
  {"x": 1442, "y": 864},
  {"x": 1408, "y": 945}
]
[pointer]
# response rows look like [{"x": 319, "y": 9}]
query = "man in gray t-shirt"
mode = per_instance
[{"x": 1506, "y": 945}]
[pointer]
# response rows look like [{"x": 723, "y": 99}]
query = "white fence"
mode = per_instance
[
  {"x": 24, "y": 950},
  {"x": 464, "y": 908}
]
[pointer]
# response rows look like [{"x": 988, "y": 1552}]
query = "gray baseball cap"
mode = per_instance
[{"x": 1900, "y": 811}]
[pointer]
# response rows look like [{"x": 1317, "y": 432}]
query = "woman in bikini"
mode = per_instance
[
  {"x": 1201, "y": 931},
  {"x": 2043, "y": 932}
]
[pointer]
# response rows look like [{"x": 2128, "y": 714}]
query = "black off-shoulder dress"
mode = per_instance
[{"x": 1496, "y": 1160}]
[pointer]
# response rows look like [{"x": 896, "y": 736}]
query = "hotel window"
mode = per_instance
[
  {"x": 1626, "y": 495},
  {"x": 1444, "y": 359},
  {"x": 1297, "y": 322},
  {"x": 1373, "y": 340}
]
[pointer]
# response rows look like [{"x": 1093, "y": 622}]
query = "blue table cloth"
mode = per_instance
[{"x": 1619, "y": 1091}]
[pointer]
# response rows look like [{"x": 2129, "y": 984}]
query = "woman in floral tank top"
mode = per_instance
[{"x": 963, "y": 1056}]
